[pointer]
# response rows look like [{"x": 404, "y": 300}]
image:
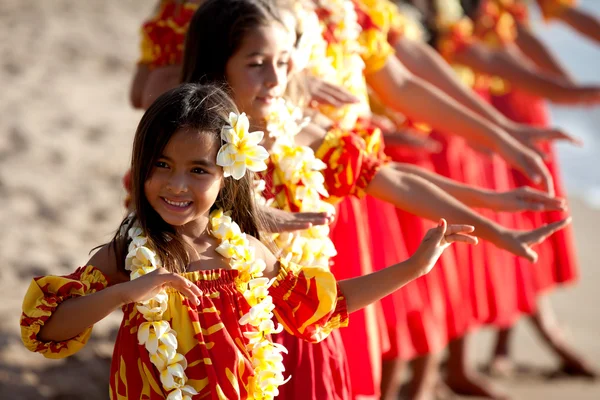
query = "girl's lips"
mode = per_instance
[
  {"x": 267, "y": 99},
  {"x": 176, "y": 205}
]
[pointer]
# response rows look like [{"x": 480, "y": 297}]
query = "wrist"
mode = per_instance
[{"x": 118, "y": 294}]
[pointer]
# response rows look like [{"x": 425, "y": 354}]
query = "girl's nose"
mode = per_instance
[{"x": 177, "y": 184}]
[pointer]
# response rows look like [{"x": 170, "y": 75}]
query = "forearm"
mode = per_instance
[
  {"x": 364, "y": 290},
  {"x": 424, "y": 199},
  {"x": 518, "y": 72},
  {"x": 584, "y": 23},
  {"x": 428, "y": 65},
  {"x": 539, "y": 53},
  {"x": 423, "y": 102},
  {"x": 469, "y": 195},
  {"x": 75, "y": 315}
]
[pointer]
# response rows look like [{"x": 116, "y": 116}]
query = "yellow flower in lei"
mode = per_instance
[
  {"x": 241, "y": 150},
  {"x": 297, "y": 168}
]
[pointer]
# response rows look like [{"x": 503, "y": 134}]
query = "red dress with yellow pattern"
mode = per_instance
[
  {"x": 558, "y": 260},
  {"x": 163, "y": 34},
  {"x": 308, "y": 304}
]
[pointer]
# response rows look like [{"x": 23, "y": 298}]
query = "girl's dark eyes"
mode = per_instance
[
  {"x": 199, "y": 171},
  {"x": 161, "y": 164}
]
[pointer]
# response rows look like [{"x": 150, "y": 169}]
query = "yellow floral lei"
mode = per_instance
[
  {"x": 297, "y": 168},
  {"x": 157, "y": 335}
]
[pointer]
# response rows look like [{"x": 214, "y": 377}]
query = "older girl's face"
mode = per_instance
[
  {"x": 258, "y": 71},
  {"x": 185, "y": 181}
]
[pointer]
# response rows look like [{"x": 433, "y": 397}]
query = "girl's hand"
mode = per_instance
[
  {"x": 278, "y": 221},
  {"x": 148, "y": 286},
  {"x": 524, "y": 199},
  {"x": 520, "y": 243},
  {"x": 437, "y": 240},
  {"x": 530, "y": 136},
  {"x": 325, "y": 93}
]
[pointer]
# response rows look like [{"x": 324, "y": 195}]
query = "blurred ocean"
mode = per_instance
[{"x": 580, "y": 166}]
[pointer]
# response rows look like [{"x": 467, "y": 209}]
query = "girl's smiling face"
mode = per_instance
[
  {"x": 185, "y": 181},
  {"x": 258, "y": 71}
]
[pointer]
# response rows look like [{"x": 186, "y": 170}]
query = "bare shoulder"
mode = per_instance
[
  {"x": 264, "y": 253},
  {"x": 105, "y": 260}
]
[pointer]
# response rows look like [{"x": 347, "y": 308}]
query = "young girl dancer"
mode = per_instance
[{"x": 200, "y": 293}]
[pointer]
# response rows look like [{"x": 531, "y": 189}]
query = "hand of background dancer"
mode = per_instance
[
  {"x": 523, "y": 199},
  {"x": 520, "y": 243},
  {"x": 283, "y": 221},
  {"x": 573, "y": 94},
  {"x": 530, "y": 136},
  {"x": 328, "y": 94},
  {"x": 436, "y": 240},
  {"x": 529, "y": 163},
  {"x": 407, "y": 138}
]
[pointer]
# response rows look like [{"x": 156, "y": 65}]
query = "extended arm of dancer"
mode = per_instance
[
  {"x": 508, "y": 64},
  {"x": 424, "y": 199},
  {"x": 422, "y": 102},
  {"x": 533, "y": 48},
  {"x": 427, "y": 64},
  {"x": 583, "y": 22},
  {"x": 521, "y": 199},
  {"x": 424, "y": 62},
  {"x": 364, "y": 290}
]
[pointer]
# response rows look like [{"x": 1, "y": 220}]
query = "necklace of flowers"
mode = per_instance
[
  {"x": 297, "y": 168},
  {"x": 337, "y": 58},
  {"x": 240, "y": 152}
]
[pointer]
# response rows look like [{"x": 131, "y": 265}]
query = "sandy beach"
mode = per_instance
[{"x": 66, "y": 130}]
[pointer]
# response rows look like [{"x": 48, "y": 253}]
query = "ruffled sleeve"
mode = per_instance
[
  {"x": 44, "y": 295},
  {"x": 554, "y": 8},
  {"x": 163, "y": 35},
  {"x": 375, "y": 48},
  {"x": 308, "y": 301},
  {"x": 353, "y": 157}
]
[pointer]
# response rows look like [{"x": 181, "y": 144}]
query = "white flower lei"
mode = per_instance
[{"x": 300, "y": 172}]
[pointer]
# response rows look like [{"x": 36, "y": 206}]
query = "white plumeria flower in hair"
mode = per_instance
[{"x": 241, "y": 150}]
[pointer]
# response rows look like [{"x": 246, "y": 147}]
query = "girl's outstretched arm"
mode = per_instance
[
  {"x": 424, "y": 199},
  {"x": 422, "y": 61},
  {"x": 367, "y": 289},
  {"x": 583, "y": 22},
  {"x": 422, "y": 102},
  {"x": 508, "y": 64},
  {"x": 534, "y": 49},
  {"x": 521, "y": 199},
  {"x": 75, "y": 315}
]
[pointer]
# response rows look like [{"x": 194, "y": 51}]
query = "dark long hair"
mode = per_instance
[
  {"x": 215, "y": 33},
  {"x": 200, "y": 108}
]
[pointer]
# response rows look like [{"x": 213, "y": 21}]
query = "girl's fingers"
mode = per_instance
[
  {"x": 185, "y": 287},
  {"x": 458, "y": 228},
  {"x": 461, "y": 237},
  {"x": 538, "y": 235}
]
